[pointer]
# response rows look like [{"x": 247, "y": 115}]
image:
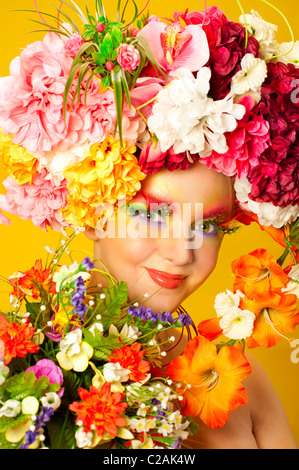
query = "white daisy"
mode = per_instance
[
  {"x": 237, "y": 325},
  {"x": 263, "y": 32},
  {"x": 251, "y": 76}
]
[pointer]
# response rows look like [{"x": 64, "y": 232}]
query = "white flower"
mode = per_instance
[
  {"x": 187, "y": 119},
  {"x": 51, "y": 400},
  {"x": 227, "y": 302},
  {"x": 61, "y": 276},
  {"x": 4, "y": 371},
  {"x": 238, "y": 324},
  {"x": 251, "y": 76},
  {"x": 294, "y": 272},
  {"x": 56, "y": 161},
  {"x": 83, "y": 438},
  {"x": 71, "y": 342},
  {"x": 147, "y": 444},
  {"x": 113, "y": 372},
  {"x": 96, "y": 326},
  {"x": 138, "y": 425},
  {"x": 291, "y": 55},
  {"x": 292, "y": 287},
  {"x": 10, "y": 409},
  {"x": 165, "y": 428},
  {"x": 267, "y": 213},
  {"x": 263, "y": 32}
]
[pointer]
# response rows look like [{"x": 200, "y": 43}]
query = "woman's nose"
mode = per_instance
[{"x": 176, "y": 250}]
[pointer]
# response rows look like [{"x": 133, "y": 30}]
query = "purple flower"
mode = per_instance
[
  {"x": 167, "y": 317},
  {"x": 47, "y": 368},
  {"x": 184, "y": 319},
  {"x": 78, "y": 297},
  {"x": 87, "y": 264},
  {"x": 41, "y": 420}
]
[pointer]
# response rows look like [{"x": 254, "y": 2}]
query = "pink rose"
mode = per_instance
[
  {"x": 152, "y": 159},
  {"x": 73, "y": 45},
  {"x": 128, "y": 57}
]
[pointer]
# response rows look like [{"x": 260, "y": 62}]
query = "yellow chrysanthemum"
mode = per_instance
[
  {"x": 107, "y": 173},
  {"x": 20, "y": 164}
]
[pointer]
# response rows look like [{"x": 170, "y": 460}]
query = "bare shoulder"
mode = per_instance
[{"x": 270, "y": 425}]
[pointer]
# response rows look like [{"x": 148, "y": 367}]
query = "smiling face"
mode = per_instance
[{"x": 172, "y": 238}]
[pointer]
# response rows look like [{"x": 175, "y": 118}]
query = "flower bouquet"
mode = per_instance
[{"x": 82, "y": 369}]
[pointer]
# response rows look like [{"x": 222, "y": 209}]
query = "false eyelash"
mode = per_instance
[
  {"x": 219, "y": 222},
  {"x": 164, "y": 211}
]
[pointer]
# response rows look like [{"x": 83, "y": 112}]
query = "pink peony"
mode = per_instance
[
  {"x": 128, "y": 57},
  {"x": 152, "y": 159},
  {"x": 73, "y": 45},
  {"x": 3, "y": 219},
  {"x": 47, "y": 368},
  {"x": 245, "y": 144},
  {"x": 226, "y": 41},
  {"x": 39, "y": 201}
]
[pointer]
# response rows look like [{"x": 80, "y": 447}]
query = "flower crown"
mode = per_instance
[{"x": 87, "y": 113}]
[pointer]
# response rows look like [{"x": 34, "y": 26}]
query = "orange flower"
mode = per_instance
[
  {"x": 257, "y": 273},
  {"x": 100, "y": 408},
  {"x": 16, "y": 339},
  {"x": 214, "y": 380},
  {"x": 280, "y": 316},
  {"x": 129, "y": 358},
  {"x": 25, "y": 283}
]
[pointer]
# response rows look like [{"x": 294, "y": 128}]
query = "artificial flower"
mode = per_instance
[
  {"x": 257, "y": 274},
  {"x": 65, "y": 275},
  {"x": 251, "y": 76},
  {"x": 227, "y": 41},
  {"x": 215, "y": 378},
  {"x": 101, "y": 410},
  {"x": 10, "y": 409},
  {"x": 47, "y": 368},
  {"x": 114, "y": 372},
  {"x": 39, "y": 201},
  {"x": 237, "y": 325},
  {"x": 174, "y": 46},
  {"x": 227, "y": 302},
  {"x": 73, "y": 45},
  {"x": 245, "y": 144},
  {"x": 32, "y": 282},
  {"x": 263, "y": 32},
  {"x": 185, "y": 117},
  {"x": 20, "y": 164},
  {"x": 128, "y": 57},
  {"x": 74, "y": 353},
  {"x": 267, "y": 213},
  {"x": 289, "y": 53},
  {"x": 152, "y": 158},
  {"x": 107, "y": 174},
  {"x": 51, "y": 400},
  {"x": 16, "y": 339},
  {"x": 130, "y": 357},
  {"x": 4, "y": 370}
]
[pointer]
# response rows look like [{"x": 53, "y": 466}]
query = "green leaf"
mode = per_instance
[
  {"x": 7, "y": 423},
  {"x": 99, "y": 58},
  {"x": 62, "y": 431},
  {"x": 106, "y": 81},
  {"x": 107, "y": 43},
  {"x": 117, "y": 36},
  {"x": 118, "y": 96}
]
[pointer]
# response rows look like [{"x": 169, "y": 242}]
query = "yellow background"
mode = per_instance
[{"x": 22, "y": 242}]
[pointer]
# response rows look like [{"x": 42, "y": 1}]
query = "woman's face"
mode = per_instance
[{"x": 165, "y": 242}]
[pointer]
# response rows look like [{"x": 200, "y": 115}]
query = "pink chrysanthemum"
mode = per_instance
[
  {"x": 245, "y": 144},
  {"x": 39, "y": 201}
]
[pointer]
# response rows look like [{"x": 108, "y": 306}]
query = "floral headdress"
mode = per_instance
[{"x": 90, "y": 110}]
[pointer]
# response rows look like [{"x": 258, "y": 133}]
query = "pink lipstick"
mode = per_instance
[{"x": 167, "y": 280}]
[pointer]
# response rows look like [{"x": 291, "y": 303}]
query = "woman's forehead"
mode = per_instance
[{"x": 198, "y": 184}]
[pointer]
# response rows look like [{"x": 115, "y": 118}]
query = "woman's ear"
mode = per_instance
[{"x": 91, "y": 234}]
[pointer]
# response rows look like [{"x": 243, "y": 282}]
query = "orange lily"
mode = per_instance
[
  {"x": 257, "y": 273},
  {"x": 214, "y": 380}
]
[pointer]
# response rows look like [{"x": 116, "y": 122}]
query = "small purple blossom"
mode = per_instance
[
  {"x": 78, "y": 297},
  {"x": 87, "y": 264},
  {"x": 184, "y": 319},
  {"x": 167, "y": 317},
  {"x": 41, "y": 420}
]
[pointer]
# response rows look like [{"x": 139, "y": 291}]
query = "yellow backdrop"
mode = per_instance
[{"x": 22, "y": 242}]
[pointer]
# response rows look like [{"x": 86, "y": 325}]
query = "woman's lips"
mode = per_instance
[{"x": 167, "y": 280}]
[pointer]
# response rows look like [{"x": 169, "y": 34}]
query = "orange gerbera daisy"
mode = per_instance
[
  {"x": 257, "y": 273},
  {"x": 25, "y": 283},
  {"x": 129, "y": 358},
  {"x": 101, "y": 409},
  {"x": 16, "y": 339},
  {"x": 213, "y": 378}
]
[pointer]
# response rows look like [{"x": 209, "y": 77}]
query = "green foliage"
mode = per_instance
[{"x": 25, "y": 384}]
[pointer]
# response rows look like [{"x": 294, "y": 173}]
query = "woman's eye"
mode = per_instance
[
  {"x": 156, "y": 215},
  {"x": 207, "y": 227}
]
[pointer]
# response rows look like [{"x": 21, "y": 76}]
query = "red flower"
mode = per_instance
[
  {"x": 226, "y": 41},
  {"x": 27, "y": 284},
  {"x": 100, "y": 408},
  {"x": 129, "y": 358},
  {"x": 276, "y": 179},
  {"x": 16, "y": 339},
  {"x": 152, "y": 159}
]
